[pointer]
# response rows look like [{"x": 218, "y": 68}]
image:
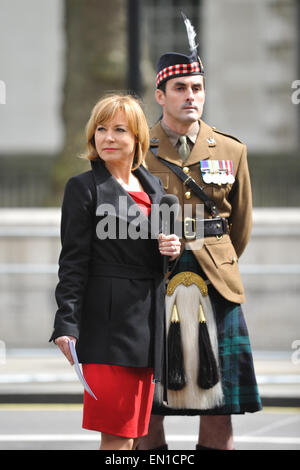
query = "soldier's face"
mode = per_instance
[{"x": 183, "y": 99}]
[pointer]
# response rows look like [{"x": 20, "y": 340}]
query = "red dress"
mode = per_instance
[{"x": 124, "y": 394}]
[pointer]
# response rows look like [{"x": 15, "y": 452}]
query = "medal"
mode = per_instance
[
  {"x": 217, "y": 171},
  {"x": 214, "y": 164},
  {"x": 223, "y": 178},
  {"x": 215, "y": 178},
  {"x": 205, "y": 171},
  {"x": 229, "y": 170},
  {"x": 207, "y": 178},
  {"x": 223, "y": 172}
]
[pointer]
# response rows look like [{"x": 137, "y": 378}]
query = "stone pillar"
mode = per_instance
[{"x": 250, "y": 57}]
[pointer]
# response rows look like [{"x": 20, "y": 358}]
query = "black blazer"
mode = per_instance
[{"x": 110, "y": 294}]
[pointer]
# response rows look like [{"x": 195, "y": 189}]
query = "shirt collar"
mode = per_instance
[{"x": 174, "y": 136}]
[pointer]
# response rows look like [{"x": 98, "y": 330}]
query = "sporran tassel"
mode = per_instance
[
  {"x": 208, "y": 375},
  {"x": 176, "y": 374}
]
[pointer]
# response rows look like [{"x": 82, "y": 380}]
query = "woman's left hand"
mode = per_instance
[{"x": 169, "y": 245}]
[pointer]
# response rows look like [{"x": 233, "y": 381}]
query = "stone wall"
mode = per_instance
[{"x": 29, "y": 249}]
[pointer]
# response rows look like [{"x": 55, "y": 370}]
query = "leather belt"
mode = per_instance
[{"x": 197, "y": 228}]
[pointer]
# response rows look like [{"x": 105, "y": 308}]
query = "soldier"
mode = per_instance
[{"x": 202, "y": 165}]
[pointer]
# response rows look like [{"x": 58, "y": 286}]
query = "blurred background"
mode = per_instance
[{"x": 58, "y": 57}]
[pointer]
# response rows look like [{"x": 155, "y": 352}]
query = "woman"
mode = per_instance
[{"x": 110, "y": 293}]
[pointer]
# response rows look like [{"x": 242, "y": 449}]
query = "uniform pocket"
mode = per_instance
[
  {"x": 225, "y": 259},
  {"x": 222, "y": 253}
]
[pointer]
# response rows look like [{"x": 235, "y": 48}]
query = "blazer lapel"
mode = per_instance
[
  {"x": 110, "y": 192},
  {"x": 149, "y": 183}
]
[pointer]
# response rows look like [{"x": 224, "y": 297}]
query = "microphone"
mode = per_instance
[{"x": 168, "y": 210}]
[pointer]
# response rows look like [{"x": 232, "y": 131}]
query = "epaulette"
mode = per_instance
[{"x": 227, "y": 135}]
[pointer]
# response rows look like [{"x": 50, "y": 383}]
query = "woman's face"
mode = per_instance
[{"x": 114, "y": 141}]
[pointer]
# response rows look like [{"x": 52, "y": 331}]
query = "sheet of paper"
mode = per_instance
[{"x": 78, "y": 369}]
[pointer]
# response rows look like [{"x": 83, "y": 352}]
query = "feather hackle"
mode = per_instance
[{"x": 191, "y": 34}]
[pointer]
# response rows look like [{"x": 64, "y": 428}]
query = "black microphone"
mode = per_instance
[{"x": 168, "y": 210}]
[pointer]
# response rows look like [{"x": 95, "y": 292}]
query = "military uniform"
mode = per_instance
[
  {"x": 210, "y": 366},
  {"x": 219, "y": 256},
  {"x": 217, "y": 260}
]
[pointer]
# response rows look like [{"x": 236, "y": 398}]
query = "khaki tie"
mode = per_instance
[{"x": 183, "y": 149}]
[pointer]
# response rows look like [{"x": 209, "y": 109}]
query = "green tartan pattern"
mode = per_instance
[
  {"x": 235, "y": 355},
  {"x": 237, "y": 370}
]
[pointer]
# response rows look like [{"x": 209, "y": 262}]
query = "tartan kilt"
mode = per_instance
[{"x": 235, "y": 356}]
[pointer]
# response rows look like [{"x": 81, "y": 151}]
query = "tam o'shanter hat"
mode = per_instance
[{"x": 172, "y": 64}]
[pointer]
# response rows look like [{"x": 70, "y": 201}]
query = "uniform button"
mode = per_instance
[
  {"x": 186, "y": 169},
  {"x": 187, "y": 195},
  {"x": 234, "y": 259}
]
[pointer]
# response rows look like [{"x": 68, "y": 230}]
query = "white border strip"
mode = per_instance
[
  {"x": 18, "y": 378},
  {"x": 171, "y": 438},
  {"x": 249, "y": 269}
]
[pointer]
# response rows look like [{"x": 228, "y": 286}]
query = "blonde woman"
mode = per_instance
[{"x": 110, "y": 293}]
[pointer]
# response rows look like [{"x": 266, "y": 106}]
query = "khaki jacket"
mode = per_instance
[{"x": 218, "y": 257}]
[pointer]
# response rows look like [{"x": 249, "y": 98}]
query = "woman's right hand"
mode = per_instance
[
  {"x": 169, "y": 245},
  {"x": 63, "y": 343}
]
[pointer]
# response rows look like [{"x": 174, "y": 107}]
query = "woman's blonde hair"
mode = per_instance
[{"x": 105, "y": 110}]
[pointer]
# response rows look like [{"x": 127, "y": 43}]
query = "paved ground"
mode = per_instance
[
  {"x": 40, "y": 407},
  {"x": 58, "y": 427}
]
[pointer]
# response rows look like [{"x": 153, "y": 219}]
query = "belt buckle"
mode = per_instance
[
  {"x": 187, "y": 180},
  {"x": 186, "y": 228}
]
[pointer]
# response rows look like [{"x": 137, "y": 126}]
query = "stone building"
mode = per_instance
[
  {"x": 250, "y": 51},
  {"x": 52, "y": 69}
]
